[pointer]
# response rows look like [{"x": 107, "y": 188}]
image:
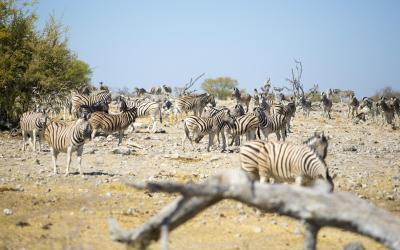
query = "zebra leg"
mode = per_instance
[
  {"x": 79, "y": 152},
  {"x": 34, "y": 139},
  {"x": 23, "y": 140},
  {"x": 54, "y": 155},
  {"x": 223, "y": 141},
  {"x": 40, "y": 139},
  {"x": 120, "y": 135},
  {"x": 93, "y": 134},
  {"x": 299, "y": 180},
  {"x": 69, "y": 153},
  {"x": 210, "y": 141}
]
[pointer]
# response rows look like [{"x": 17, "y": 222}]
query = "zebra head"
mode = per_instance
[
  {"x": 227, "y": 118},
  {"x": 43, "y": 120},
  {"x": 210, "y": 99},
  {"x": 238, "y": 110},
  {"x": 83, "y": 126},
  {"x": 319, "y": 144}
]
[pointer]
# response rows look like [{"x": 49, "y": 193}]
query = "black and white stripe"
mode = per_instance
[
  {"x": 67, "y": 138},
  {"x": 196, "y": 127},
  {"x": 372, "y": 107},
  {"x": 79, "y": 100},
  {"x": 33, "y": 124},
  {"x": 194, "y": 103},
  {"x": 353, "y": 106},
  {"x": 284, "y": 162},
  {"x": 271, "y": 124},
  {"x": 326, "y": 105},
  {"x": 243, "y": 125},
  {"x": 387, "y": 109},
  {"x": 144, "y": 108},
  {"x": 109, "y": 123}
]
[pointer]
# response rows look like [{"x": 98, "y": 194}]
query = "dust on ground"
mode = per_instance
[{"x": 58, "y": 212}]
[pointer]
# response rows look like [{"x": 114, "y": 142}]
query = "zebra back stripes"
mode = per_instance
[
  {"x": 32, "y": 124},
  {"x": 284, "y": 162},
  {"x": 78, "y": 100},
  {"x": 194, "y": 103},
  {"x": 271, "y": 124},
  {"x": 196, "y": 127},
  {"x": 243, "y": 125},
  {"x": 67, "y": 138},
  {"x": 112, "y": 122}
]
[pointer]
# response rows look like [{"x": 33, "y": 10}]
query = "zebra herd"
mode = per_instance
[{"x": 262, "y": 159}]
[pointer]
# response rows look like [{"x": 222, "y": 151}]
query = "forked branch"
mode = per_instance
[{"x": 315, "y": 206}]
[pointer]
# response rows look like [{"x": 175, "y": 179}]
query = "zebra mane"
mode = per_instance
[{"x": 315, "y": 141}]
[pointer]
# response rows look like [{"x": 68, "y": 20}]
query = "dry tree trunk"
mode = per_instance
[{"x": 316, "y": 207}]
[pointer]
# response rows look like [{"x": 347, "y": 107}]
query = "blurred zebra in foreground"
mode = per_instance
[
  {"x": 271, "y": 124},
  {"x": 94, "y": 98},
  {"x": 109, "y": 123},
  {"x": 284, "y": 162},
  {"x": 197, "y": 127},
  {"x": 67, "y": 138},
  {"x": 33, "y": 124},
  {"x": 144, "y": 108}
]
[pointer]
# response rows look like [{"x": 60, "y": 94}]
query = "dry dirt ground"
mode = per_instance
[{"x": 57, "y": 212}]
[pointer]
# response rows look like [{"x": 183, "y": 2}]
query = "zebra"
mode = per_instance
[
  {"x": 194, "y": 103},
  {"x": 100, "y": 106},
  {"x": 241, "y": 98},
  {"x": 196, "y": 127},
  {"x": 78, "y": 100},
  {"x": 237, "y": 110},
  {"x": 113, "y": 122},
  {"x": 387, "y": 109},
  {"x": 33, "y": 124},
  {"x": 288, "y": 110},
  {"x": 372, "y": 106},
  {"x": 270, "y": 124},
  {"x": 395, "y": 102},
  {"x": 144, "y": 108},
  {"x": 256, "y": 98},
  {"x": 266, "y": 104},
  {"x": 353, "y": 105},
  {"x": 67, "y": 138},
  {"x": 326, "y": 105},
  {"x": 284, "y": 162},
  {"x": 243, "y": 125},
  {"x": 306, "y": 105}
]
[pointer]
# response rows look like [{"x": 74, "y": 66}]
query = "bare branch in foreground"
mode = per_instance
[{"x": 317, "y": 208}]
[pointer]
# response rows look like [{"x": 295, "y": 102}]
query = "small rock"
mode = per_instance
[
  {"x": 7, "y": 211},
  {"x": 84, "y": 209},
  {"x": 350, "y": 148},
  {"x": 390, "y": 197},
  {"x": 99, "y": 138},
  {"x": 108, "y": 194},
  {"x": 110, "y": 137},
  {"x": 258, "y": 229},
  {"x": 122, "y": 151}
]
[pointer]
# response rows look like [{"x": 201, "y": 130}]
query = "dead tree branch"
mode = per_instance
[{"x": 316, "y": 207}]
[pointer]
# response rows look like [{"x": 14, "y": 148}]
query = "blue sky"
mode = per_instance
[{"x": 342, "y": 44}]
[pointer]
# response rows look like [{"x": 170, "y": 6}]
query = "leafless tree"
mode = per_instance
[{"x": 185, "y": 90}]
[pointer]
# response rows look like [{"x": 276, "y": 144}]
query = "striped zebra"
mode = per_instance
[
  {"x": 243, "y": 125},
  {"x": 395, "y": 102},
  {"x": 113, "y": 122},
  {"x": 194, "y": 103},
  {"x": 78, "y": 100},
  {"x": 67, "y": 138},
  {"x": 33, "y": 124},
  {"x": 284, "y": 162},
  {"x": 197, "y": 127},
  {"x": 237, "y": 110},
  {"x": 144, "y": 108},
  {"x": 288, "y": 110},
  {"x": 241, "y": 98},
  {"x": 271, "y": 124},
  {"x": 353, "y": 106},
  {"x": 326, "y": 105},
  {"x": 371, "y": 106},
  {"x": 306, "y": 106},
  {"x": 387, "y": 109},
  {"x": 97, "y": 107}
]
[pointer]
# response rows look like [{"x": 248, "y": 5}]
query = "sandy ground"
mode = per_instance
[{"x": 57, "y": 212}]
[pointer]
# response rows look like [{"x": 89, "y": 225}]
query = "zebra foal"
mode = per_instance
[
  {"x": 33, "y": 124},
  {"x": 67, "y": 138},
  {"x": 284, "y": 162}
]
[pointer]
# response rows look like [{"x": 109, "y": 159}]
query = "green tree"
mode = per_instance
[
  {"x": 221, "y": 87},
  {"x": 34, "y": 62}
]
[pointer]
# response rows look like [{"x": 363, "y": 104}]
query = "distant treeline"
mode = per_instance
[{"x": 34, "y": 63}]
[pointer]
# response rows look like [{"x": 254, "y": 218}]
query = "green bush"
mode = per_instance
[{"x": 220, "y": 87}]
